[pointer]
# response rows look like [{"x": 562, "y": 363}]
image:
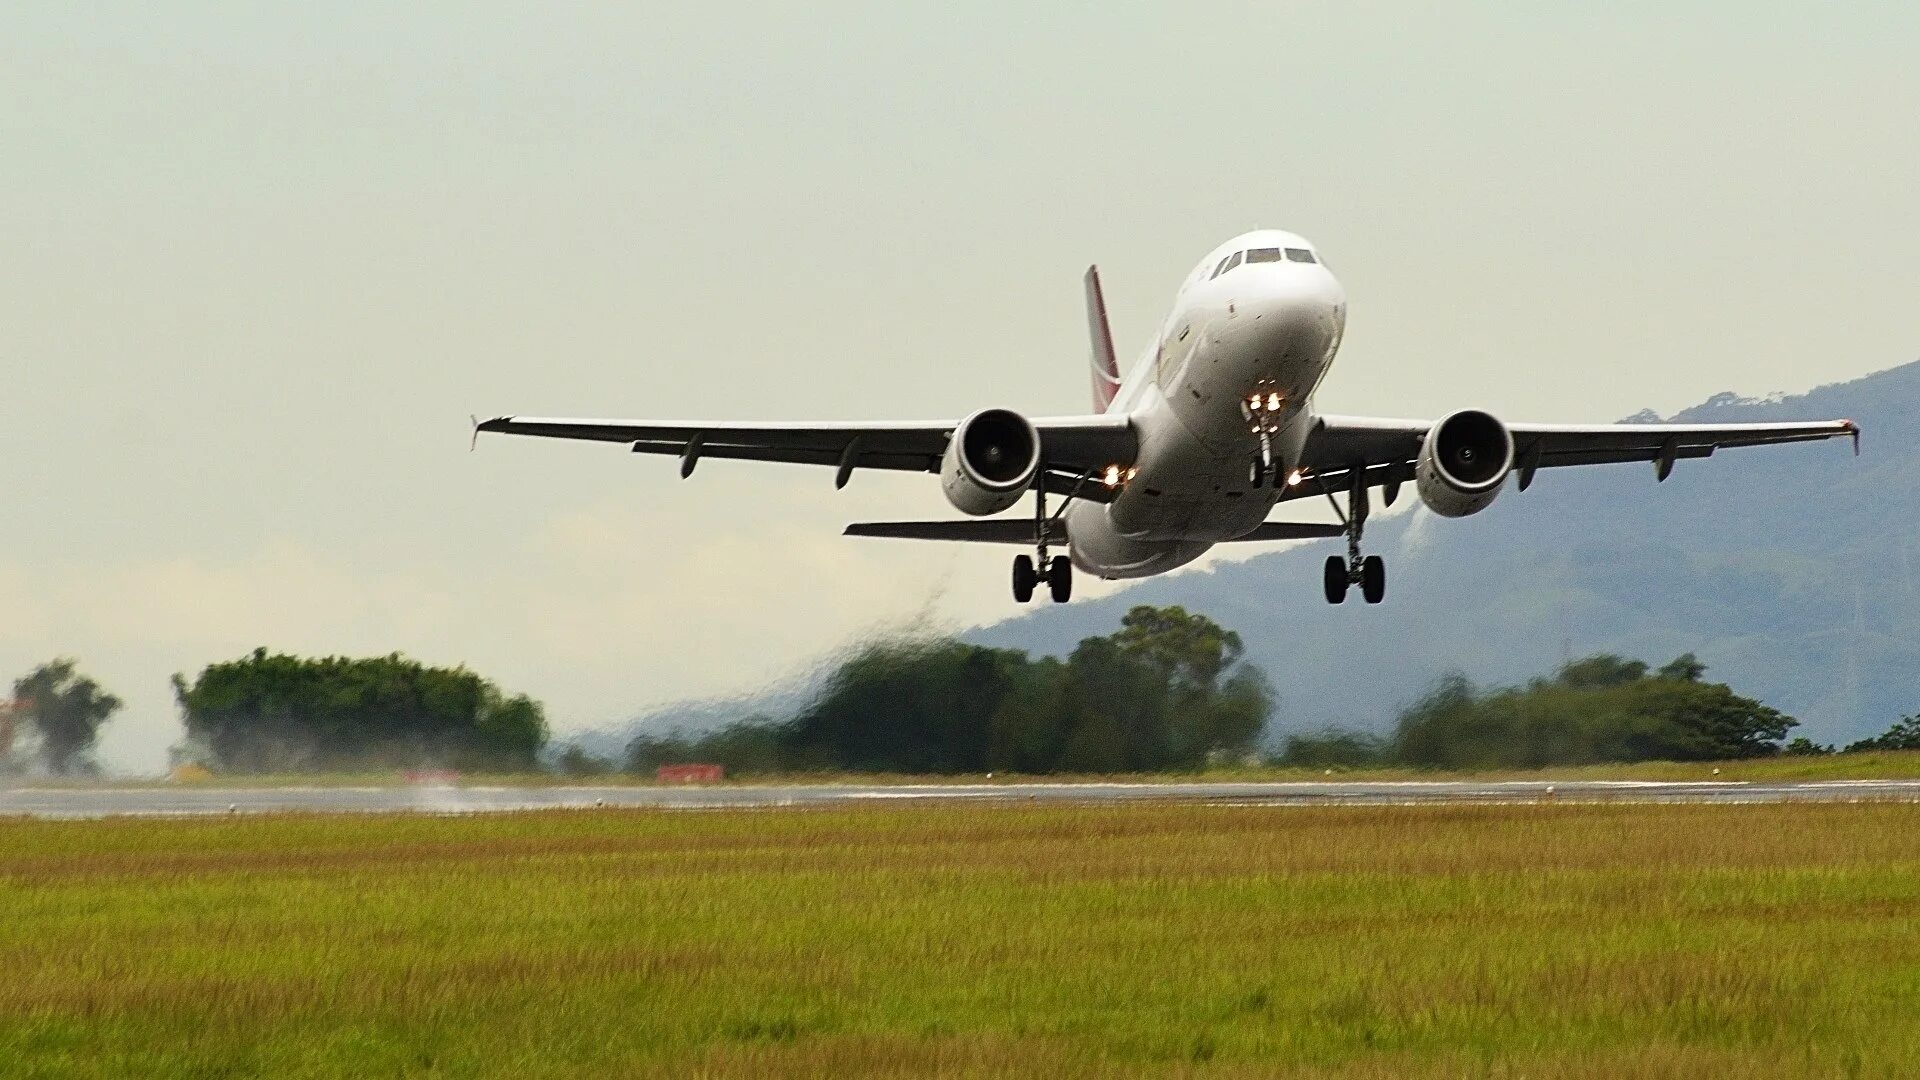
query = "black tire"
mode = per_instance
[
  {"x": 1373, "y": 578},
  {"x": 1256, "y": 475},
  {"x": 1060, "y": 579},
  {"x": 1024, "y": 579},
  {"x": 1335, "y": 579}
]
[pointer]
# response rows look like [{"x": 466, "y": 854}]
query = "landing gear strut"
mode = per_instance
[
  {"x": 1370, "y": 573},
  {"x": 1057, "y": 570}
]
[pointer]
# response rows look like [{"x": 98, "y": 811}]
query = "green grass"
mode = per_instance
[{"x": 1537, "y": 941}]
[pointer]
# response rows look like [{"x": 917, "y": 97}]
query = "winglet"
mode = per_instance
[
  {"x": 1106, "y": 368},
  {"x": 473, "y": 443},
  {"x": 1853, "y": 429}
]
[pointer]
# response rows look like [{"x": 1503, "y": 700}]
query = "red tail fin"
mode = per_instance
[{"x": 1106, "y": 369}]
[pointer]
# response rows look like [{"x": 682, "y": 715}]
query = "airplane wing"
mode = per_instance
[
  {"x": 1021, "y": 531},
  {"x": 1383, "y": 451},
  {"x": 1075, "y": 446}
]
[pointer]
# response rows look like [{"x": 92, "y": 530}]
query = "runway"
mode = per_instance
[{"x": 166, "y": 801}]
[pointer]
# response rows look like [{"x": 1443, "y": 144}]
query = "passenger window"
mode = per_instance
[
  {"x": 1263, "y": 255},
  {"x": 1300, "y": 255}
]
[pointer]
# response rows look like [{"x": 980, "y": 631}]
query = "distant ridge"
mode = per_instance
[{"x": 1791, "y": 571}]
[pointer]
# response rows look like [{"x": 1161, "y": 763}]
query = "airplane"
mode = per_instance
[{"x": 1212, "y": 428}]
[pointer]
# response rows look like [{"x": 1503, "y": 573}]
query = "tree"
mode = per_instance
[
  {"x": 1903, "y": 735},
  {"x": 1334, "y": 747},
  {"x": 1686, "y": 668},
  {"x": 66, "y": 709},
  {"x": 276, "y": 712},
  {"x": 1599, "y": 672},
  {"x": 1601, "y": 708},
  {"x": 1162, "y": 693},
  {"x": 1213, "y": 701}
]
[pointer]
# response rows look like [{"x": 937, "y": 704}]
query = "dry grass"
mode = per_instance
[{"x": 1537, "y": 941}]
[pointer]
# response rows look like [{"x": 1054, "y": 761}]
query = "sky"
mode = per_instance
[{"x": 261, "y": 262}]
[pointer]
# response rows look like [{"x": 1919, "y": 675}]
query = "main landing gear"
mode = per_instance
[
  {"x": 1056, "y": 571},
  {"x": 1058, "y": 576},
  {"x": 1370, "y": 573}
]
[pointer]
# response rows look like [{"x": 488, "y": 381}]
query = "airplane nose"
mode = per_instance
[{"x": 1288, "y": 310}]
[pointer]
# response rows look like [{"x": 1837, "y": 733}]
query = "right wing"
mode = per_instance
[
  {"x": 1075, "y": 447},
  {"x": 1021, "y": 531}
]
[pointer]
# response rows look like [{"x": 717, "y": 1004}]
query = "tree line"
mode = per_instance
[{"x": 1169, "y": 690}]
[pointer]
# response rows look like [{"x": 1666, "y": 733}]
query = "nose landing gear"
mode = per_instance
[{"x": 1370, "y": 573}]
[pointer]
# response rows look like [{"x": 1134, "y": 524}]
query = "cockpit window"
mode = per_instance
[
  {"x": 1229, "y": 263},
  {"x": 1300, "y": 255},
  {"x": 1222, "y": 268},
  {"x": 1263, "y": 255}
]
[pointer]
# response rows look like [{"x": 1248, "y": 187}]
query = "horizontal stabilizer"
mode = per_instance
[
  {"x": 988, "y": 531},
  {"x": 1020, "y": 531}
]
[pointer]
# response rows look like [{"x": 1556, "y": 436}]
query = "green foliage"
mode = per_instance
[
  {"x": 1903, "y": 735},
  {"x": 1686, "y": 667},
  {"x": 577, "y": 762},
  {"x": 1334, "y": 748},
  {"x": 1162, "y": 693},
  {"x": 749, "y": 746},
  {"x": 66, "y": 710},
  {"x": 1597, "y": 709},
  {"x": 1602, "y": 708},
  {"x": 272, "y": 712},
  {"x": 1801, "y": 746}
]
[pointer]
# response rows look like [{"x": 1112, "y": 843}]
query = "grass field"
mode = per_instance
[{"x": 1450, "y": 941}]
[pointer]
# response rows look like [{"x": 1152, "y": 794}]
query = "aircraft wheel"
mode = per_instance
[
  {"x": 1336, "y": 579},
  {"x": 1256, "y": 475},
  {"x": 1060, "y": 579},
  {"x": 1373, "y": 578},
  {"x": 1024, "y": 579}
]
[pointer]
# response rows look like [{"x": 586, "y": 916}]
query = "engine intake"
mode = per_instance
[
  {"x": 990, "y": 462},
  {"x": 1463, "y": 462}
]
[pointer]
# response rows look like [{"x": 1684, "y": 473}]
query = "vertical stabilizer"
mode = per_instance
[{"x": 1106, "y": 369}]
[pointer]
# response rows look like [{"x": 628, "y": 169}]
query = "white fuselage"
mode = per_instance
[{"x": 1269, "y": 327}]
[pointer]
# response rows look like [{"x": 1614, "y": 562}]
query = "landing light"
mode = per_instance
[
  {"x": 1273, "y": 401},
  {"x": 1113, "y": 476},
  {"x": 1293, "y": 478}
]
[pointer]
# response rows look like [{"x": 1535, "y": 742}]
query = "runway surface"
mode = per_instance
[{"x": 89, "y": 802}]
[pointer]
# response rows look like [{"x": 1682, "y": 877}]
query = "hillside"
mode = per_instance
[{"x": 1789, "y": 570}]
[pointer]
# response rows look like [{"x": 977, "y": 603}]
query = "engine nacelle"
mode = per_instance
[
  {"x": 1463, "y": 463},
  {"x": 990, "y": 462}
]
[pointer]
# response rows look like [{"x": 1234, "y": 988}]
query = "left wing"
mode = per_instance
[
  {"x": 1074, "y": 447},
  {"x": 1383, "y": 451}
]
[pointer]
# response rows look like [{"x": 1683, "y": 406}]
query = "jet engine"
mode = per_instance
[
  {"x": 1463, "y": 462},
  {"x": 990, "y": 462}
]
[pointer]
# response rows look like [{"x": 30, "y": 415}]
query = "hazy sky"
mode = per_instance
[{"x": 261, "y": 261}]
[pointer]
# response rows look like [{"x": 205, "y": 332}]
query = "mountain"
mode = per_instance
[{"x": 1790, "y": 571}]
